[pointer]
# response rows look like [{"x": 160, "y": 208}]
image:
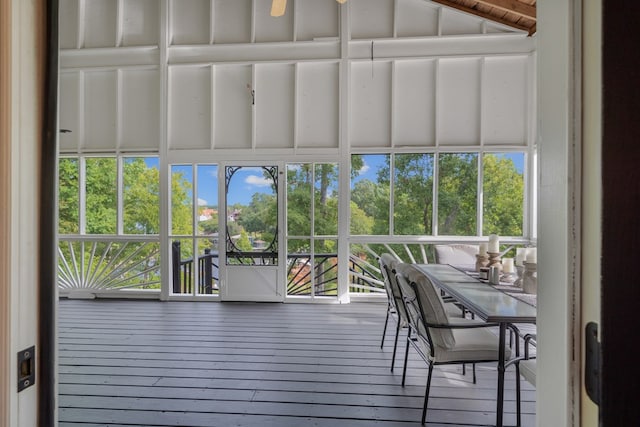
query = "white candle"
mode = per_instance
[
  {"x": 520, "y": 256},
  {"x": 507, "y": 265},
  {"x": 532, "y": 256},
  {"x": 483, "y": 249},
  {"x": 494, "y": 244}
]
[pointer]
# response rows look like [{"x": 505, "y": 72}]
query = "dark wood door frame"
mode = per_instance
[
  {"x": 47, "y": 295},
  {"x": 620, "y": 289}
]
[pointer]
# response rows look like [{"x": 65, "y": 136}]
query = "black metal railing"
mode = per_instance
[
  {"x": 182, "y": 272},
  {"x": 302, "y": 277}
]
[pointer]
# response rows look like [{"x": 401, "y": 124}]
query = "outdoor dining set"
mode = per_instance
[{"x": 453, "y": 316}]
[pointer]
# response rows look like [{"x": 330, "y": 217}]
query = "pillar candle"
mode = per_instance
[
  {"x": 494, "y": 244},
  {"x": 483, "y": 249},
  {"x": 520, "y": 255},
  {"x": 532, "y": 256},
  {"x": 507, "y": 265}
]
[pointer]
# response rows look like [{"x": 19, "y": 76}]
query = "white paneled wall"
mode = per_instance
[
  {"x": 275, "y": 101},
  {"x": 190, "y": 109},
  {"x": 370, "y": 115},
  {"x": 414, "y": 19},
  {"x": 189, "y": 21},
  {"x": 414, "y": 103},
  {"x": 71, "y": 104},
  {"x": 100, "y": 109},
  {"x": 317, "y": 102},
  {"x": 232, "y": 21},
  {"x": 233, "y": 118},
  {"x": 458, "y": 101},
  {"x": 140, "y": 109},
  {"x": 505, "y": 100},
  {"x": 99, "y": 18},
  {"x": 140, "y": 23},
  {"x": 224, "y": 75}
]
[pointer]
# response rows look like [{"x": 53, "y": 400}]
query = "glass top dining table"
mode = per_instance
[{"x": 486, "y": 302}]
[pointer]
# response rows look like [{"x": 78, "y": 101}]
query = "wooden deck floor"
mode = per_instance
[{"x": 150, "y": 363}]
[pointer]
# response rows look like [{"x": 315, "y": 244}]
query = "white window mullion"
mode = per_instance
[
  {"x": 119, "y": 195},
  {"x": 194, "y": 230},
  {"x": 480, "y": 195},
  {"x": 392, "y": 172},
  {"x": 82, "y": 196},
  {"x": 436, "y": 171},
  {"x": 312, "y": 237}
]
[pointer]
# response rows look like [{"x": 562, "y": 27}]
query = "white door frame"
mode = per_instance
[{"x": 235, "y": 274}]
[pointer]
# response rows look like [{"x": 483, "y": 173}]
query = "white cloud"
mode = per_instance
[
  {"x": 364, "y": 169},
  {"x": 258, "y": 181},
  {"x": 202, "y": 202}
]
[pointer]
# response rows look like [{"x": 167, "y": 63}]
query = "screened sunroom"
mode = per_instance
[{"x": 209, "y": 150}]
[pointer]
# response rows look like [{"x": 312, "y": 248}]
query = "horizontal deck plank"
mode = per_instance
[{"x": 153, "y": 363}]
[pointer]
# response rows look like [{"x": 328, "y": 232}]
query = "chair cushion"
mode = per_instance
[
  {"x": 528, "y": 370},
  {"x": 432, "y": 304},
  {"x": 456, "y": 254},
  {"x": 388, "y": 264},
  {"x": 472, "y": 345}
]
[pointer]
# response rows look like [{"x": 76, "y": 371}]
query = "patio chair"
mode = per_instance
[
  {"x": 436, "y": 337},
  {"x": 395, "y": 304},
  {"x": 526, "y": 366}
]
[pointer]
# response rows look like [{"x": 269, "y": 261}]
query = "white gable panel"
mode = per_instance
[
  {"x": 68, "y": 110},
  {"x": 274, "y": 105},
  {"x": 189, "y": 21},
  {"x": 100, "y": 23},
  {"x": 416, "y": 18},
  {"x": 68, "y": 24},
  {"x": 140, "y": 109},
  {"x": 273, "y": 29},
  {"x": 317, "y": 18},
  {"x": 456, "y": 23},
  {"x": 189, "y": 107},
  {"x": 232, "y": 21},
  {"x": 371, "y": 18},
  {"x": 140, "y": 25},
  {"x": 459, "y": 101},
  {"x": 505, "y": 100},
  {"x": 100, "y": 106},
  {"x": 414, "y": 103},
  {"x": 318, "y": 105},
  {"x": 370, "y": 110},
  {"x": 233, "y": 106}
]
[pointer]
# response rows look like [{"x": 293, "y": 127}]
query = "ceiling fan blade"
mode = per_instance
[{"x": 278, "y": 7}]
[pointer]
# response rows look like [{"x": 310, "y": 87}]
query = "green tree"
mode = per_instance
[
  {"x": 457, "y": 194},
  {"x": 413, "y": 194},
  {"x": 503, "y": 189},
  {"x": 299, "y": 200},
  {"x": 141, "y": 205},
  {"x": 68, "y": 207}
]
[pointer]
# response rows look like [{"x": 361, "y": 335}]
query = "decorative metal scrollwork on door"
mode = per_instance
[{"x": 251, "y": 215}]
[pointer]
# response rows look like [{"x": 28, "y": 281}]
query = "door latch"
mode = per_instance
[
  {"x": 26, "y": 368},
  {"x": 592, "y": 371}
]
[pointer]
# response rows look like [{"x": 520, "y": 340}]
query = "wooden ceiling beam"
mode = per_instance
[
  {"x": 476, "y": 12},
  {"x": 512, "y": 6}
]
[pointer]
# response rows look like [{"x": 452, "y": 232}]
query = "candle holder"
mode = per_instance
[
  {"x": 530, "y": 278},
  {"x": 520, "y": 273},
  {"x": 481, "y": 261},
  {"x": 494, "y": 260},
  {"x": 509, "y": 277}
]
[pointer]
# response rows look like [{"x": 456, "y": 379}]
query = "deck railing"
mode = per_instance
[{"x": 115, "y": 263}]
